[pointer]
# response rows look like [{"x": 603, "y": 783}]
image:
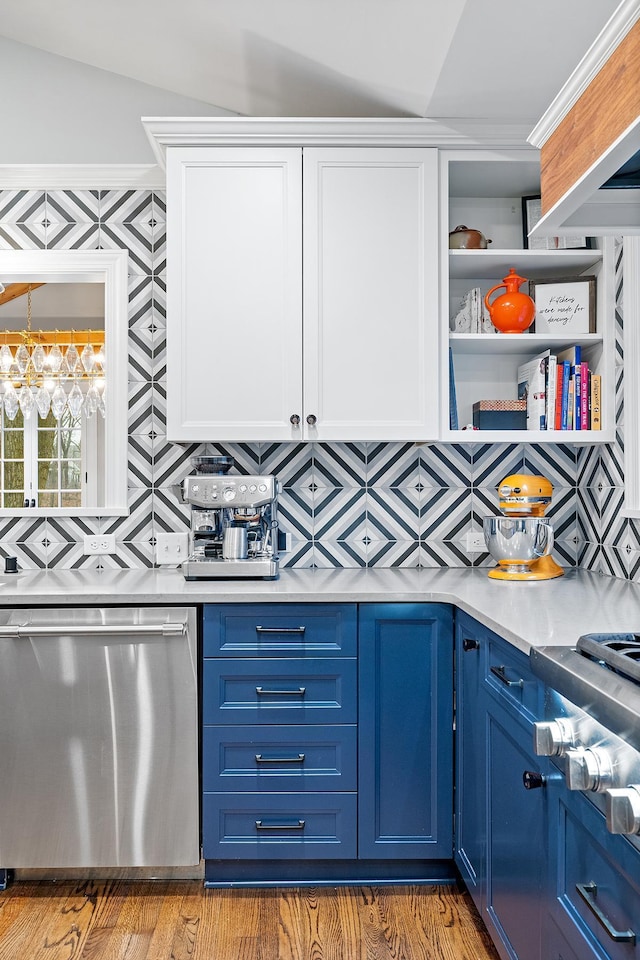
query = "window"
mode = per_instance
[{"x": 48, "y": 463}]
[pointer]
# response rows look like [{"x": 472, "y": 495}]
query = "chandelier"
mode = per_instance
[{"x": 53, "y": 371}]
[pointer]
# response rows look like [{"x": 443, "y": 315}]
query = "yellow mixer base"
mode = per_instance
[{"x": 544, "y": 569}]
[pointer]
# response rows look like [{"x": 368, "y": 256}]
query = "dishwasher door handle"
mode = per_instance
[{"x": 95, "y": 630}]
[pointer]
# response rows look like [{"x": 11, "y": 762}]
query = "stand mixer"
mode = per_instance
[{"x": 521, "y": 539}]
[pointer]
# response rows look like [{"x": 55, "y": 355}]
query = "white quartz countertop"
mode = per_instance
[{"x": 528, "y": 614}]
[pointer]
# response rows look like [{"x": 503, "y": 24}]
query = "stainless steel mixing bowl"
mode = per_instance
[{"x": 518, "y": 540}]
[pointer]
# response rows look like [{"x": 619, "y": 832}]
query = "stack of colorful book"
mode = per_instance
[{"x": 562, "y": 392}]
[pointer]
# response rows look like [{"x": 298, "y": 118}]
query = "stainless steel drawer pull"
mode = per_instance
[
  {"x": 280, "y": 629},
  {"x": 261, "y": 759},
  {"x": 298, "y": 825},
  {"x": 93, "y": 630},
  {"x": 589, "y": 892},
  {"x": 501, "y": 673},
  {"x": 300, "y": 692}
]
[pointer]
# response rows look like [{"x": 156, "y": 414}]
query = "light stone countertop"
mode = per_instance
[{"x": 528, "y": 614}]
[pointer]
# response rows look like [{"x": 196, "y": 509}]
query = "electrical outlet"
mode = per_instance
[
  {"x": 171, "y": 548},
  {"x": 476, "y": 542},
  {"x": 99, "y": 544}
]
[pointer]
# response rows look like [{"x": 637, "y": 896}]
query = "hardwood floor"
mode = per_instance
[{"x": 180, "y": 920}]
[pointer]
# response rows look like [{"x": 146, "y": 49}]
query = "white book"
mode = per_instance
[
  {"x": 552, "y": 383},
  {"x": 532, "y": 388}
]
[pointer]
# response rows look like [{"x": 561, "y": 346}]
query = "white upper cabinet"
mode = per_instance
[
  {"x": 234, "y": 292},
  {"x": 370, "y": 294},
  {"x": 302, "y": 307}
]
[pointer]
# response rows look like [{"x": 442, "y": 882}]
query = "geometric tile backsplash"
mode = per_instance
[{"x": 344, "y": 504}]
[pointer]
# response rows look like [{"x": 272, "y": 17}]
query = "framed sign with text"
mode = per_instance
[{"x": 564, "y": 305}]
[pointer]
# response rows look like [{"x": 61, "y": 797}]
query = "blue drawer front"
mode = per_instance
[
  {"x": 607, "y": 868},
  {"x": 279, "y": 691},
  {"x": 311, "y": 758},
  {"x": 510, "y": 680},
  {"x": 279, "y": 826},
  {"x": 285, "y": 629}
]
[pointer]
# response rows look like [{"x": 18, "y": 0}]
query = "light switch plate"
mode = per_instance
[{"x": 171, "y": 548}]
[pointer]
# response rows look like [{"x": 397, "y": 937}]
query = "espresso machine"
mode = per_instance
[
  {"x": 234, "y": 526},
  {"x": 521, "y": 539}
]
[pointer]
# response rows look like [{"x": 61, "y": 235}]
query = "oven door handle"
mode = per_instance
[
  {"x": 588, "y": 892},
  {"x": 92, "y": 630}
]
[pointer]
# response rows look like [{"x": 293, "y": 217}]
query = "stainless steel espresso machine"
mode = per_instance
[{"x": 234, "y": 526}]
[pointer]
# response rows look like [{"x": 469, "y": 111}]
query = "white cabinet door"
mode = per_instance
[
  {"x": 370, "y": 237},
  {"x": 234, "y": 292}
]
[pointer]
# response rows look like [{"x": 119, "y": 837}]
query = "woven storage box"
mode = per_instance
[{"x": 500, "y": 414}]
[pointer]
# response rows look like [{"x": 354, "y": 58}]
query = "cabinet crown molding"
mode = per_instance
[
  {"x": 615, "y": 30},
  {"x": 164, "y": 132}
]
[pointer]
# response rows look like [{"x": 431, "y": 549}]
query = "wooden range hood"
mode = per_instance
[{"x": 589, "y": 138}]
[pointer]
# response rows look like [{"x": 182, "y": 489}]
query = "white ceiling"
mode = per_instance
[{"x": 501, "y": 60}]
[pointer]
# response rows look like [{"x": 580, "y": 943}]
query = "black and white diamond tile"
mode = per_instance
[
  {"x": 563, "y": 513},
  {"x": 446, "y": 514},
  {"x": 170, "y": 514},
  {"x": 440, "y": 553},
  {"x": 299, "y": 557},
  {"x": 612, "y": 462},
  {"x": 633, "y": 567},
  {"x": 612, "y": 562},
  {"x": 340, "y": 464},
  {"x": 340, "y": 514},
  {"x": 246, "y": 456},
  {"x": 291, "y": 463},
  {"x": 295, "y": 513},
  {"x": 590, "y": 556},
  {"x": 588, "y": 516},
  {"x": 31, "y": 555},
  {"x": 558, "y": 463},
  {"x": 159, "y": 410},
  {"x": 612, "y": 524},
  {"x": 171, "y": 461},
  {"x": 392, "y": 514},
  {"x": 72, "y": 220},
  {"x": 124, "y": 236},
  {"x": 137, "y": 525},
  {"x": 446, "y": 465},
  {"x": 492, "y": 462},
  {"x": 139, "y": 408},
  {"x": 393, "y": 465},
  {"x": 339, "y": 553},
  {"x": 393, "y": 553},
  {"x": 588, "y": 463},
  {"x": 140, "y": 461},
  {"x": 21, "y": 529},
  {"x": 23, "y": 220}
]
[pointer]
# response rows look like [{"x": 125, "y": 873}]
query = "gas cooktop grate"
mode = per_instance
[{"x": 619, "y": 652}]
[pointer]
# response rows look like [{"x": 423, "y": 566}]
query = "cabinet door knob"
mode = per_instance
[
  {"x": 469, "y": 644},
  {"x": 294, "y": 419},
  {"x": 532, "y": 780},
  {"x": 312, "y": 419}
]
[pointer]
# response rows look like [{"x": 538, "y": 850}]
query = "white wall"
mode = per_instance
[{"x": 56, "y": 110}]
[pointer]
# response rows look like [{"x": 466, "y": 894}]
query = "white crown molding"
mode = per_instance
[
  {"x": 615, "y": 30},
  {"x": 164, "y": 132},
  {"x": 631, "y": 308},
  {"x": 90, "y": 176}
]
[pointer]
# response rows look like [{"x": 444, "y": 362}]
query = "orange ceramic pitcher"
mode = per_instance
[{"x": 513, "y": 311}]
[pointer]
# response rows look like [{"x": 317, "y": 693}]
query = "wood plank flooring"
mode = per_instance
[{"x": 180, "y": 920}]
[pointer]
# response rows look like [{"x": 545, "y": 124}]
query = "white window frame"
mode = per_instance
[{"x": 631, "y": 359}]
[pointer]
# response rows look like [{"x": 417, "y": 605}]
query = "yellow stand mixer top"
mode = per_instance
[{"x": 521, "y": 539}]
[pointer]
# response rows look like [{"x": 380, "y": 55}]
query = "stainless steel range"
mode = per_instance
[
  {"x": 234, "y": 526},
  {"x": 597, "y": 743}
]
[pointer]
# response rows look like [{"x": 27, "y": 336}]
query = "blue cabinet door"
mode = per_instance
[
  {"x": 405, "y": 766},
  {"x": 471, "y": 738},
  {"x": 517, "y": 844}
]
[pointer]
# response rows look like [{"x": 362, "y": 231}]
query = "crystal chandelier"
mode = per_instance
[{"x": 52, "y": 371}]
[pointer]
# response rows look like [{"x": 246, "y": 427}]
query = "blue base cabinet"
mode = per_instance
[
  {"x": 327, "y": 745},
  {"x": 405, "y": 722},
  {"x": 502, "y": 847}
]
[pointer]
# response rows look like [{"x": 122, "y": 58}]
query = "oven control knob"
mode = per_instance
[
  {"x": 623, "y": 810},
  {"x": 588, "y": 768},
  {"x": 553, "y": 738}
]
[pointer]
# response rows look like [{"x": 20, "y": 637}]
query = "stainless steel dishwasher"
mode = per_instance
[{"x": 98, "y": 737}]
